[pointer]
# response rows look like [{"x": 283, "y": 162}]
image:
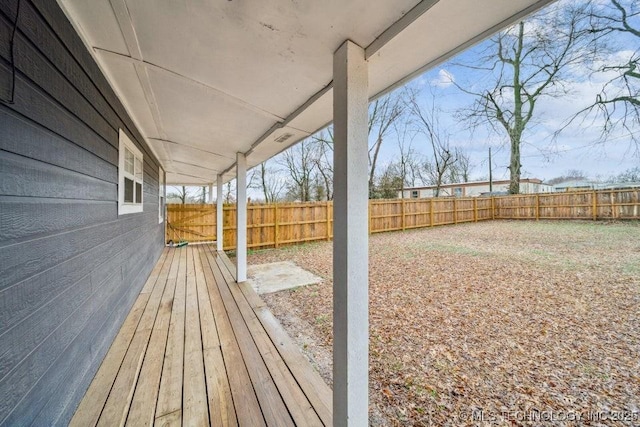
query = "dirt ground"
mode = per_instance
[{"x": 484, "y": 324}]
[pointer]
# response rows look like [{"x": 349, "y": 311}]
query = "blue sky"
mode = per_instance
[{"x": 543, "y": 155}]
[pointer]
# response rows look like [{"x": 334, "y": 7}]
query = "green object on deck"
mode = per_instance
[{"x": 182, "y": 243}]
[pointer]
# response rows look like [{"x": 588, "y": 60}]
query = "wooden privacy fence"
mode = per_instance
[
  {"x": 281, "y": 224},
  {"x": 602, "y": 204}
]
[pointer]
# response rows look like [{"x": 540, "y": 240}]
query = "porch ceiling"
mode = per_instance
[{"x": 204, "y": 79}]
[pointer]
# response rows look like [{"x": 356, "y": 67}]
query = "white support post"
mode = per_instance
[
  {"x": 219, "y": 215},
  {"x": 241, "y": 218},
  {"x": 351, "y": 238}
]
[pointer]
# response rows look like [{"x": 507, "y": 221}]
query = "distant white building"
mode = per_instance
[
  {"x": 574, "y": 185},
  {"x": 584, "y": 185},
  {"x": 475, "y": 188}
]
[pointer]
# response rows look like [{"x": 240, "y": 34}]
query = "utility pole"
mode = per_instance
[{"x": 490, "y": 173}]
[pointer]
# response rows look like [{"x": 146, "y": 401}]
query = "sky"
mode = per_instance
[{"x": 544, "y": 155}]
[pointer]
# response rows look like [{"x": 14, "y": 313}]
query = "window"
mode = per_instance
[
  {"x": 130, "y": 176},
  {"x": 160, "y": 195},
  {"x": 414, "y": 194},
  {"x": 458, "y": 192}
]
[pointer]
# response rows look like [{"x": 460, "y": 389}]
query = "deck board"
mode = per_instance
[
  {"x": 195, "y": 405},
  {"x": 170, "y": 394},
  {"x": 199, "y": 349},
  {"x": 143, "y": 406},
  {"x": 221, "y": 410},
  {"x": 117, "y": 406}
]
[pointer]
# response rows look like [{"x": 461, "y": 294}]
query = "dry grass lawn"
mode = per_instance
[{"x": 497, "y": 316}]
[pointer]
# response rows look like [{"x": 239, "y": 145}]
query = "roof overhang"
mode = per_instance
[{"x": 206, "y": 80}]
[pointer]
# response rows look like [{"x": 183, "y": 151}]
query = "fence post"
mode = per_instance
[
  {"x": 403, "y": 226},
  {"x": 431, "y": 213},
  {"x": 613, "y": 206},
  {"x": 328, "y": 223},
  {"x": 275, "y": 225},
  {"x": 537, "y": 207},
  {"x": 475, "y": 209},
  {"x": 594, "y": 202},
  {"x": 493, "y": 207},
  {"x": 455, "y": 211}
]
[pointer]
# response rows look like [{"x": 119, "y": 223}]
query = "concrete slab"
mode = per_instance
[{"x": 278, "y": 276}]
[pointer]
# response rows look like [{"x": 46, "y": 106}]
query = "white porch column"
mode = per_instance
[
  {"x": 241, "y": 218},
  {"x": 219, "y": 215},
  {"x": 351, "y": 239}
]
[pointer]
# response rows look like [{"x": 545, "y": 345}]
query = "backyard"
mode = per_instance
[{"x": 489, "y": 320}]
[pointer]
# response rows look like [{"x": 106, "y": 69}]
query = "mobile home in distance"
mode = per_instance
[{"x": 474, "y": 189}]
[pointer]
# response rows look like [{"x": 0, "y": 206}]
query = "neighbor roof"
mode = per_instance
[{"x": 205, "y": 80}]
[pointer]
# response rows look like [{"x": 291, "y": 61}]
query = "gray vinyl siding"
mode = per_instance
[{"x": 70, "y": 267}]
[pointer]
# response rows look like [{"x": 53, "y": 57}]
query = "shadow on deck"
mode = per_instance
[{"x": 199, "y": 349}]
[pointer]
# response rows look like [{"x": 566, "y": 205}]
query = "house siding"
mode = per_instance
[{"x": 70, "y": 267}]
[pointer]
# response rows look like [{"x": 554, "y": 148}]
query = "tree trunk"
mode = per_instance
[{"x": 514, "y": 167}]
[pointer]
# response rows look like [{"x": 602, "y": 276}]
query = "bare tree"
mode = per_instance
[
  {"x": 268, "y": 181},
  {"x": 389, "y": 183},
  {"x": 522, "y": 64},
  {"x": 570, "y": 175},
  {"x": 434, "y": 171},
  {"x": 630, "y": 175},
  {"x": 461, "y": 168},
  {"x": 230, "y": 194},
  {"x": 427, "y": 122},
  {"x": 408, "y": 166},
  {"x": 179, "y": 192},
  {"x": 312, "y": 161},
  {"x": 323, "y": 159},
  {"x": 383, "y": 113},
  {"x": 618, "y": 103},
  {"x": 299, "y": 163}
]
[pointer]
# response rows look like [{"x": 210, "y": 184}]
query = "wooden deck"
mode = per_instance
[{"x": 199, "y": 349}]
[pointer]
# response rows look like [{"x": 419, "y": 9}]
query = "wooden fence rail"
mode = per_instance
[{"x": 281, "y": 224}]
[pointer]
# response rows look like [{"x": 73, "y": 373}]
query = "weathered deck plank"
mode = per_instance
[
  {"x": 221, "y": 410},
  {"x": 117, "y": 406},
  {"x": 239, "y": 380},
  {"x": 199, "y": 349},
  {"x": 169, "y": 404},
  {"x": 143, "y": 405},
  {"x": 195, "y": 406}
]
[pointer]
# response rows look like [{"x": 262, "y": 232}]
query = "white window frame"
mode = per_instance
[
  {"x": 415, "y": 194},
  {"x": 161, "y": 195},
  {"x": 137, "y": 176}
]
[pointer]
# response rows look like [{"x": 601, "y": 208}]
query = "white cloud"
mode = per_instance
[{"x": 444, "y": 79}]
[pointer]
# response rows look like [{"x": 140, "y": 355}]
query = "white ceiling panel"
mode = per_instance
[
  {"x": 203, "y": 118},
  {"x": 103, "y": 32},
  {"x": 124, "y": 80},
  {"x": 207, "y": 79},
  {"x": 276, "y": 53}
]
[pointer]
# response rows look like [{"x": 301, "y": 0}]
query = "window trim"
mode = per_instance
[
  {"x": 415, "y": 194},
  {"x": 161, "y": 195},
  {"x": 126, "y": 143}
]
